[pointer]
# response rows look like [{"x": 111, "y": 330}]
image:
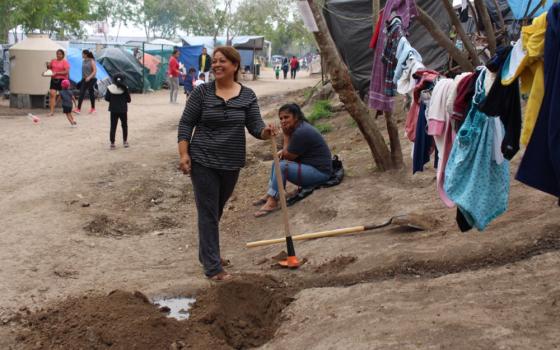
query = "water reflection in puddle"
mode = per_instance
[{"x": 179, "y": 307}]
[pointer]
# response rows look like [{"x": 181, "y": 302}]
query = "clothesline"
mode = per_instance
[{"x": 473, "y": 122}]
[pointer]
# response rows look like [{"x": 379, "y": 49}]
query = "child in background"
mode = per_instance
[
  {"x": 188, "y": 81},
  {"x": 68, "y": 101},
  {"x": 277, "y": 72},
  {"x": 201, "y": 80},
  {"x": 118, "y": 97}
]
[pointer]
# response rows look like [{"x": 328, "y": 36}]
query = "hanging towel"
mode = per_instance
[
  {"x": 476, "y": 183},
  {"x": 407, "y": 82},
  {"x": 540, "y": 166},
  {"x": 375, "y": 36},
  {"x": 423, "y": 143},
  {"x": 439, "y": 126}
]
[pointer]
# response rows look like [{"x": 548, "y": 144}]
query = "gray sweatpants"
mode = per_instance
[
  {"x": 212, "y": 189},
  {"x": 173, "y": 89}
]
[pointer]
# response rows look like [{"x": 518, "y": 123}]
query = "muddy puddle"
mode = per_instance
[{"x": 177, "y": 308}]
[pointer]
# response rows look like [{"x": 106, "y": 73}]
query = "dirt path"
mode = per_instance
[{"x": 80, "y": 219}]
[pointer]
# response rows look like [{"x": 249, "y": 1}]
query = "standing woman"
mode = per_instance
[
  {"x": 89, "y": 71},
  {"x": 61, "y": 69},
  {"x": 218, "y": 112},
  {"x": 285, "y": 67}
]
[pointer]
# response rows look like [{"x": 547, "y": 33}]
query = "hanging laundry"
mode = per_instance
[
  {"x": 424, "y": 143},
  {"x": 529, "y": 67},
  {"x": 505, "y": 102},
  {"x": 477, "y": 184},
  {"x": 389, "y": 58},
  {"x": 405, "y": 55},
  {"x": 425, "y": 78},
  {"x": 440, "y": 128},
  {"x": 406, "y": 83},
  {"x": 453, "y": 96},
  {"x": 540, "y": 166},
  {"x": 406, "y": 10},
  {"x": 465, "y": 93}
]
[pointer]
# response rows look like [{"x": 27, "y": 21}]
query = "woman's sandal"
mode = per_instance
[
  {"x": 221, "y": 277},
  {"x": 259, "y": 202},
  {"x": 264, "y": 212}
]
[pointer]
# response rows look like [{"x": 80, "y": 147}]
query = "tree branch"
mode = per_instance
[
  {"x": 488, "y": 27},
  {"x": 443, "y": 40},
  {"x": 461, "y": 31}
]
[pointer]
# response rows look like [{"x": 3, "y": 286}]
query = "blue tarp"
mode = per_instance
[
  {"x": 189, "y": 57},
  {"x": 519, "y": 7},
  {"x": 74, "y": 58}
]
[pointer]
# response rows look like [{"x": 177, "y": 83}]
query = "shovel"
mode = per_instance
[{"x": 413, "y": 221}]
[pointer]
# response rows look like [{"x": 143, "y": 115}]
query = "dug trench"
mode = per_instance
[{"x": 238, "y": 314}]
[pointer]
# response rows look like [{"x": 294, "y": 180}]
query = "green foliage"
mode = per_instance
[
  {"x": 309, "y": 92},
  {"x": 60, "y": 17},
  {"x": 324, "y": 128},
  {"x": 321, "y": 110}
]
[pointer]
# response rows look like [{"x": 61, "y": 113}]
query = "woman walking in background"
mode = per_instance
[
  {"x": 217, "y": 113},
  {"x": 61, "y": 70},
  {"x": 285, "y": 67},
  {"x": 89, "y": 71}
]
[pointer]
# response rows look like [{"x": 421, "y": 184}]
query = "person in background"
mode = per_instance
[
  {"x": 173, "y": 74},
  {"x": 89, "y": 71},
  {"x": 67, "y": 101},
  {"x": 61, "y": 70},
  {"x": 212, "y": 147},
  {"x": 189, "y": 80},
  {"x": 277, "y": 71},
  {"x": 204, "y": 64},
  {"x": 294, "y": 66},
  {"x": 285, "y": 67},
  {"x": 306, "y": 158},
  {"x": 118, "y": 97},
  {"x": 201, "y": 80}
]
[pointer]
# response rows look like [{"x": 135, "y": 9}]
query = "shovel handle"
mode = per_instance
[{"x": 280, "y": 184}]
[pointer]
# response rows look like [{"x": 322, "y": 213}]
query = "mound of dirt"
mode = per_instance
[
  {"x": 238, "y": 314},
  {"x": 102, "y": 226}
]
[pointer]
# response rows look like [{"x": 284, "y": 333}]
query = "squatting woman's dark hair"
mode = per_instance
[
  {"x": 295, "y": 110},
  {"x": 61, "y": 52},
  {"x": 232, "y": 55}
]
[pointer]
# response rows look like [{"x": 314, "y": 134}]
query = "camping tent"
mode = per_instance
[
  {"x": 524, "y": 8},
  {"x": 74, "y": 58},
  {"x": 116, "y": 60}
]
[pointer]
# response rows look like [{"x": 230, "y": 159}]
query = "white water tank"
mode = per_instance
[{"x": 27, "y": 63}]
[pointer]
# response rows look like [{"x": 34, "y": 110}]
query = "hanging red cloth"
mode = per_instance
[{"x": 375, "y": 36}]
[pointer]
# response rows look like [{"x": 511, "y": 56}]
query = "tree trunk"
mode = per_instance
[
  {"x": 394, "y": 140},
  {"x": 443, "y": 40},
  {"x": 461, "y": 32},
  {"x": 342, "y": 84},
  {"x": 488, "y": 27}
]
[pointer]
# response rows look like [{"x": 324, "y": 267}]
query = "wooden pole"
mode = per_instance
[{"x": 280, "y": 184}]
